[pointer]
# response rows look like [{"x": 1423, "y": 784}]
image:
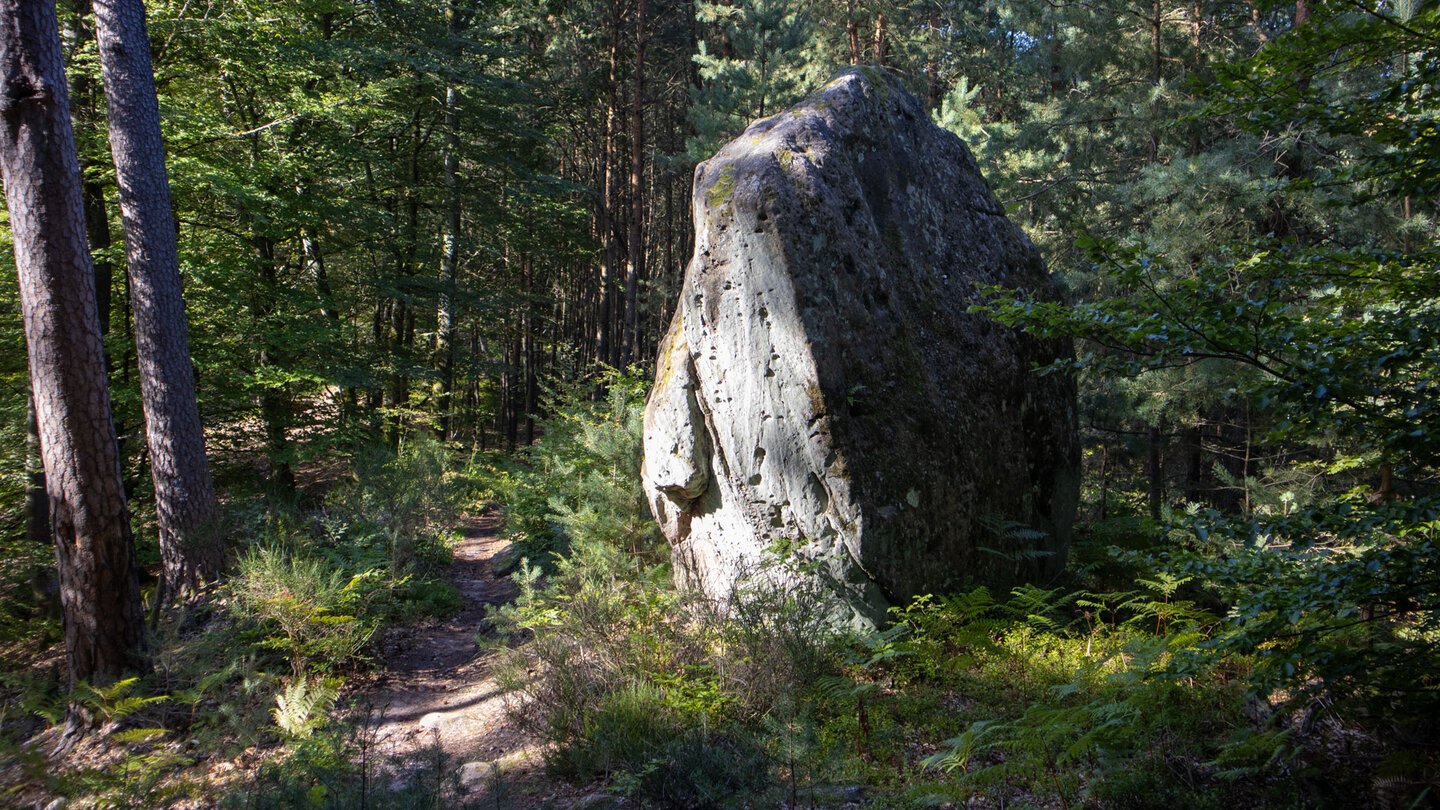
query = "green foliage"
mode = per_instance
[
  {"x": 114, "y": 702},
  {"x": 339, "y": 767},
  {"x": 959, "y": 113},
  {"x": 302, "y": 706},
  {"x": 1068, "y": 684},
  {"x": 580, "y": 482},
  {"x": 752, "y": 63},
  {"x": 317, "y": 616},
  {"x": 147, "y": 773},
  {"x": 700, "y": 769},
  {"x": 22, "y": 565},
  {"x": 316, "y": 588},
  {"x": 1340, "y": 601},
  {"x": 412, "y": 497},
  {"x": 608, "y": 638},
  {"x": 660, "y": 690},
  {"x": 1242, "y": 205},
  {"x": 1345, "y": 341},
  {"x": 624, "y": 732}
]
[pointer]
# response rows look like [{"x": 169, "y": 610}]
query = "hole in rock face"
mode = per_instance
[
  {"x": 759, "y": 459},
  {"x": 818, "y": 492}
]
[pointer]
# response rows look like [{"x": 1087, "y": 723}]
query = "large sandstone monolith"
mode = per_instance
[{"x": 824, "y": 396}]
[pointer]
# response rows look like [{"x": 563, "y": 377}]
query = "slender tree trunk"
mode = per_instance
[
  {"x": 1257, "y": 25},
  {"x": 314, "y": 257},
  {"x": 401, "y": 319},
  {"x": 83, "y": 114},
  {"x": 1057, "y": 75},
  {"x": 634, "y": 265},
  {"x": 1194, "y": 463},
  {"x": 449, "y": 264},
  {"x": 97, "y": 230},
  {"x": 375, "y": 397},
  {"x": 530, "y": 327},
  {"x": 1156, "y": 63},
  {"x": 1195, "y": 30},
  {"x": 514, "y": 392},
  {"x": 1302, "y": 18},
  {"x": 605, "y": 335},
  {"x": 99, "y": 585},
  {"x": 880, "y": 54},
  {"x": 450, "y": 242},
  {"x": 852, "y": 30},
  {"x": 1156, "y": 471},
  {"x": 191, "y": 549},
  {"x": 1104, "y": 480},
  {"x": 274, "y": 399}
]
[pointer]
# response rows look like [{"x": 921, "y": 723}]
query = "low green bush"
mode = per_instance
[
  {"x": 580, "y": 481},
  {"x": 412, "y": 498},
  {"x": 700, "y": 770},
  {"x": 340, "y": 767},
  {"x": 1340, "y": 602},
  {"x": 317, "y": 616}
]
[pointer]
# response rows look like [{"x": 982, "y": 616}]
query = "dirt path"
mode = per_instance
[{"x": 437, "y": 687}]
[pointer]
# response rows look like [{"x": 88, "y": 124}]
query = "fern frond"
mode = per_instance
[
  {"x": 138, "y": 735},
  {"x": 300, "y": 707}
]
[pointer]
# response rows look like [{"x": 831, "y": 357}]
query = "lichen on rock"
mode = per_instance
[{"x": 824, "y": 393}]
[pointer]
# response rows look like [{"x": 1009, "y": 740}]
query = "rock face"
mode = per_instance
[{"x": 824, "y": 396}]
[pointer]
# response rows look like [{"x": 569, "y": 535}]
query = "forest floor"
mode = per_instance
[{"x": 435, "y": 692}]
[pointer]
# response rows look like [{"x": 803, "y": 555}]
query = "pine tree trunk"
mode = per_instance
[
  {"x": 634, "y": 267},
  {"x": 605, "y": 335},
  {"x": 530, "y": 326},
  {"x": 274, "y": 399},
  {"x": 852, "y": 30},
  {"x": 99, "y": 586},
  {"x": 449, "y": 264},
  {"x": 83, "y": 114},
  {"x": 401, "y": 318},
  {"x": 191, "y": 549},
  {"x": 1155, "y": 471},
  {"x": 880, "y": 54},
  {"x": 1057, "y": 69},
  {"x": 1156, "y": 63},
  {"x": 450, "y": 244}
]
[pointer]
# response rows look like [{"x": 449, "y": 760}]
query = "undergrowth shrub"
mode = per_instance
[
  {"x": 1340, "y": 604},
  {"x": 317, "y": 616},
  {"x": 1140, "y": 687},
  {"x": 412, "y": 498},
  {"x": 580, "y": 481},
  {"x": 256, "y": 664},
  {"x": 777, "y": 636},
  {"x": 341, "y": 766},
  {"x": 665, "y": 692},
  {"x": 700, "y": 770},
  {"x": 606, "y": 636},
  {"x": 1099, "y": 699},
  {"x": 29, "y": 595}
]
